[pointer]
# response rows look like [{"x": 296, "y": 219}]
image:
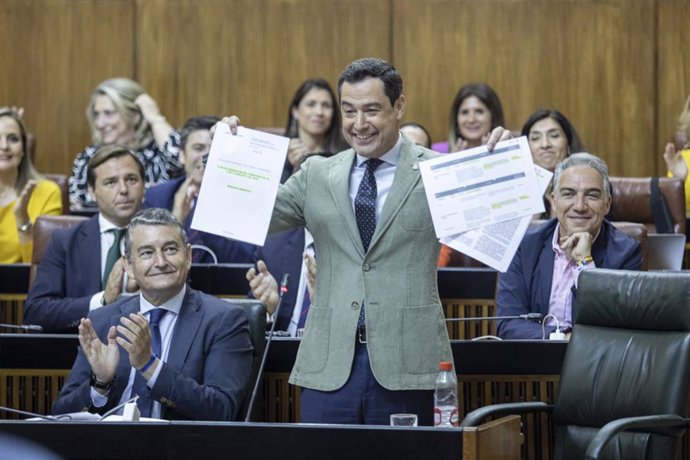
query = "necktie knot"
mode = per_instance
[{"x": 373, "y": 163}]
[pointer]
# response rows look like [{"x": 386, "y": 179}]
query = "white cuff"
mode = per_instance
[
  {"x": 98, "y": 399},
  {"x": 96, "y": 300}
]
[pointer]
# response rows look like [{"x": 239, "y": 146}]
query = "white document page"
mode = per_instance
[
  {"x": 240, "y": 184},
  {"x": 496, "y": 244},
  {"x": 476, "y": 187}
]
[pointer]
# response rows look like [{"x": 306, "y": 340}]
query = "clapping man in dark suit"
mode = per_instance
[
  {"x": 187, "y": 355},
  {"x": 80, "y": 269}
]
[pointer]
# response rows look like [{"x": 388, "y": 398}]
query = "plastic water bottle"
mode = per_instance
[{"x": 446, "y": 397}]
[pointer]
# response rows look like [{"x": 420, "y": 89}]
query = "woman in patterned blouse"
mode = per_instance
[{"x": 120, "y": 112}]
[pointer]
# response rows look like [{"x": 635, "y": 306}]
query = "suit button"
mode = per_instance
[
  {"x": 355, "y": 305},
  {"x": 366, "y": 267}
]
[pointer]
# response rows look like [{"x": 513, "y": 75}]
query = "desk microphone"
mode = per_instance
[
  {"x": 23, "y": 327},
  {"x": 269, "y": 337},
  {"x": 527, "y": 316},
  {"x": 29, "y": 414}
]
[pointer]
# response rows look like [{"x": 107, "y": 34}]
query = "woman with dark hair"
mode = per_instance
[
  {"x": 313, "y": 124},
  {"x": 551, "y": 138},
  {"x": 24, "y": 194},
  {"x": 121, "y": 112},
  {"x": 476, "y": 110}
]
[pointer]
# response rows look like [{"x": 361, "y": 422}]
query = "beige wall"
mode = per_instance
[{"x": 617, "y": 68}]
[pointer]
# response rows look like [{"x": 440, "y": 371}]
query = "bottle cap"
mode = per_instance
[{"x": 445, "y": 366}]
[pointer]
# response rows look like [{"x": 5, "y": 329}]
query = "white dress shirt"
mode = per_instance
[{"x": 301, "y": 288}]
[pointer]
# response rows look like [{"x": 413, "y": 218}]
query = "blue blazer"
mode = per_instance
[
  {"x": 68, "y": 275},
  {"x": 208, "y": 368},
  {"x": 282, "y": 253},
  {"x": 526, "y": 286},
  {"x": 226, "y": 250}
]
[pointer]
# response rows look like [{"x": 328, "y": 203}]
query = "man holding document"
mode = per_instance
[{"x": 375, "y": 332}]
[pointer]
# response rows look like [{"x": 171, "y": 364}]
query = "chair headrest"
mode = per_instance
[{"x": 634, "y": 300}]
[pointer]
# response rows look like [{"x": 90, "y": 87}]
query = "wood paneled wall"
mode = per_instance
[{"x": 617, "y": 68}]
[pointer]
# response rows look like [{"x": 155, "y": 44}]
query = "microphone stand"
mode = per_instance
[{"x": 260, "y": 372}]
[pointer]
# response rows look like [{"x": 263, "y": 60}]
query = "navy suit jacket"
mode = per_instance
[
  {"x": 208, "y": 367},
  {"x": 526, "y": 286},
  {"x": 68, "y": 275},
  {"x": 226, "y": 250},
  {"x": 282, "y": 253}
]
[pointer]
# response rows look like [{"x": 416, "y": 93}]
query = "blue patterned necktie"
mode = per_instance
[
  {"x": 365, "y": 212},
  {"x": 365, "y": 203},
  {"x": 139, "y": 387}
]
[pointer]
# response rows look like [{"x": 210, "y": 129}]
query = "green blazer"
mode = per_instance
[{"x": 396, "y": 277}]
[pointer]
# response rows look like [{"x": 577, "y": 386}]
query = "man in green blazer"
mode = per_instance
[{"x": 361, "y": 366}]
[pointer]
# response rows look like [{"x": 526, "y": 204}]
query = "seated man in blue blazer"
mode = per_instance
[
  {"x": 80, "y": 270},
  {"x": 179, "y": 196},
  {"x": 542, "y": 277},
  {"x": 186, "y": 354}
]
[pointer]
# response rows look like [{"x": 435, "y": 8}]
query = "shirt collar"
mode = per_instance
[
  {"x": 174, "y": 304},
  {"x": 104, "y": 224},
  {"x": 554, "y": 241},
  {"x": 391, "y": 157}
]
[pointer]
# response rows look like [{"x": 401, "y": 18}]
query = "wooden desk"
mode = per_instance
[
  {"x": 465, "y": 292},
  {"x": 33, "y": 369},
  {"x": 248, "y": 441}
]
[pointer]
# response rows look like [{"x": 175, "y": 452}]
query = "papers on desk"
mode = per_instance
[
  {"x": 240, "y": 184},
  {"x": 482, "y": 202}
]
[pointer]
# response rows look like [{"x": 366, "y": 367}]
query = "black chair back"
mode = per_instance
[
  {"x": 629, "y": 356},
  {"x": 256, "y": 311}
]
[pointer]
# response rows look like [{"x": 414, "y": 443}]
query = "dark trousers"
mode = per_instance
[{"x": 363, "y": 401}]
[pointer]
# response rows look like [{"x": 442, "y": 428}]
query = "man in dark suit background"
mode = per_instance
[
  {"x": 284, "y": 253},
  {"x": 187, "y": 355},
  {"x": 179, "y": 196},
  {"x": 74, "y": 276},
  {"x": 542, "y": 277}
]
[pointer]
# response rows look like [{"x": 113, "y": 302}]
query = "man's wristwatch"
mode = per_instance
[
  {"x": 101, "y": 385},
  {"x": 25, "y": 227}
]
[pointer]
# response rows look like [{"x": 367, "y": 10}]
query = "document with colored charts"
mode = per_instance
[
  {"x": 240, "y": 184},
  {"x": 476, "y": 187},
  {"x": 495, "y": 244}
]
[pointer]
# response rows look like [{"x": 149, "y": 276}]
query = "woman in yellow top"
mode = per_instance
[
  {"x": 24, "y": 194},
  {"x": 678, "y": 161}
]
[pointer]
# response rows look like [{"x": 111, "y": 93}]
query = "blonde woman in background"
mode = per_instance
[
  {"x": 121, "y": 112},
  {"x": 677, "y": 156},
  {"x": 24, "y": 194}
]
